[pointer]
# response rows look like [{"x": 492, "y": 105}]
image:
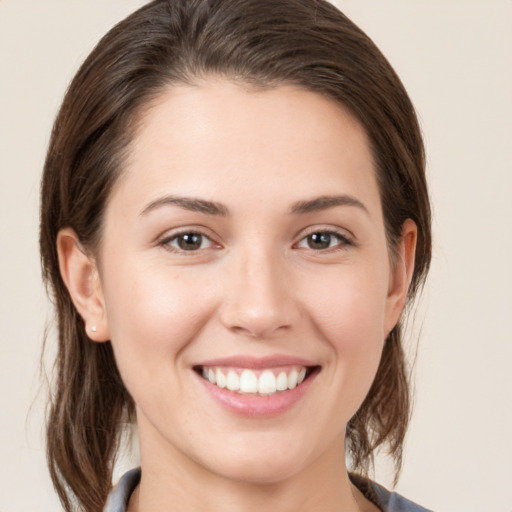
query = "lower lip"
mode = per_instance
[{"x": 256, "y": 406}]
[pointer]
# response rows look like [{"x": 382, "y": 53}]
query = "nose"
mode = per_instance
[{"x": 259, "y": 301}]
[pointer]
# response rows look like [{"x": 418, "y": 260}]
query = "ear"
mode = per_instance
[
  {"x": 80, "y": 275},
  {"x": 401, "y": 274}
]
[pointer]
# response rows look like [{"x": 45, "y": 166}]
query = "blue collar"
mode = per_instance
[{"x": 385, "y": 500}]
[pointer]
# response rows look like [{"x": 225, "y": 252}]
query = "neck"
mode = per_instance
[{"x": 177, "y": 483}]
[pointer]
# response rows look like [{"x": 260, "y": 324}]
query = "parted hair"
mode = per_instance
[{"x": 260, "y": 43}]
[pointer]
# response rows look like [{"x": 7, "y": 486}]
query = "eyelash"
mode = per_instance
[
  {"x": 342, "y": 241},
  {"x": 167, "y": 241}
]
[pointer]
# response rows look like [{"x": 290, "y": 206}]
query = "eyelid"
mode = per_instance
[
  {"x": 169, "y": 235},
  {"x": 326, "y": 228},
  {"x": 346, "y": 238}
]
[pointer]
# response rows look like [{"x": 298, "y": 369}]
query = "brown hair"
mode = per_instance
[{"x": 308, "y": 43}]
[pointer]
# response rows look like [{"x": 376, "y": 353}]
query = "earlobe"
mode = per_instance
[
  {"x": 401, "y": 274},
  {"x": 80, "y": 275}
]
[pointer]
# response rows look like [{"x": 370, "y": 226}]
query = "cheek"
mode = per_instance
[
  {"x": 152, "y": 315},
  {"x": 349, "y": 307},
  {"x": 350, "y": 318}
]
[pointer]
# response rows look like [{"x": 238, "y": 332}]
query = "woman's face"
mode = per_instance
[{"x": 246, "y": 279}]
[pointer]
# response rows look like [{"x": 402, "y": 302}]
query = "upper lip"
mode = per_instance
[{"x": 258, "y": 363}]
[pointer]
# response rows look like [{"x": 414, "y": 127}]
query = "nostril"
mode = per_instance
[{"x": 258, "y": 329}]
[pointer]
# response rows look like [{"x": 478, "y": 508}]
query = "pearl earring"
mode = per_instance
[{"x": 93, "y": 328}]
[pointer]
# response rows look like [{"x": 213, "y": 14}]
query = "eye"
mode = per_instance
[
  {"x": 322, "y": 240},
  {"x": 190, "y": 241}
]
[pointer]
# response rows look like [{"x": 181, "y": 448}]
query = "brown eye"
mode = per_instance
[
  {"x": 189, "y": 242},
  {"x": 319, "y": 240},
  {"x": 323, "y": 240}
]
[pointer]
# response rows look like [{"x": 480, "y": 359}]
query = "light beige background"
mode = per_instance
[{"x": 455, "y": 58}]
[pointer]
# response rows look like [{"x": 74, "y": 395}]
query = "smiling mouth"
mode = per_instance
[{"x": 265, "y": 382}]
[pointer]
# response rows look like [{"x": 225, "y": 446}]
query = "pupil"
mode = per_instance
[
  {"x": 190, "y": 241},
  {"x": 319, "y": 240}
]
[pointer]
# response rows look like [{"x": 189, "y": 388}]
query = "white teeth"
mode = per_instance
[
  {"x": 220, "y": 378},
  {"x": 282, "y": 381},
  {"x": 292, "y": 379},
  {"x": 233, "y": 381},
  {"x": 267, "y": 383},
  {"x": 248, "y": 381}
]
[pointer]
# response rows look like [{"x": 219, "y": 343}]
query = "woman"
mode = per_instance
[{"x": 234, "y": 215}]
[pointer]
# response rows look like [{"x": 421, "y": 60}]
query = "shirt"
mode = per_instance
[{"x": 387, "y": 501}]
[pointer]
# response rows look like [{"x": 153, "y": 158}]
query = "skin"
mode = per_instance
[{"x": 255, "y": 287}]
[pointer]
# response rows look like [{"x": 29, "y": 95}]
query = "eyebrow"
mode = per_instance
[
  {"x": 195, "y": 204},
  {"x": 192, "y": 204},
  {"x": 325, "y": 202}
]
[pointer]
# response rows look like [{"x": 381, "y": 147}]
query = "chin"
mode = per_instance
[
  {"x": 259, "y": 462},
  {"x": 259, "y": 471}
]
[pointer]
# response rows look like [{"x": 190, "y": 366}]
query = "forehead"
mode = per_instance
[{"x": 207, "y": 139}]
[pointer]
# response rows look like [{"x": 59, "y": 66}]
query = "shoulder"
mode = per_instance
[
  {"x": 120, "y": 495},
  {"x": 386, "y": 500}
]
